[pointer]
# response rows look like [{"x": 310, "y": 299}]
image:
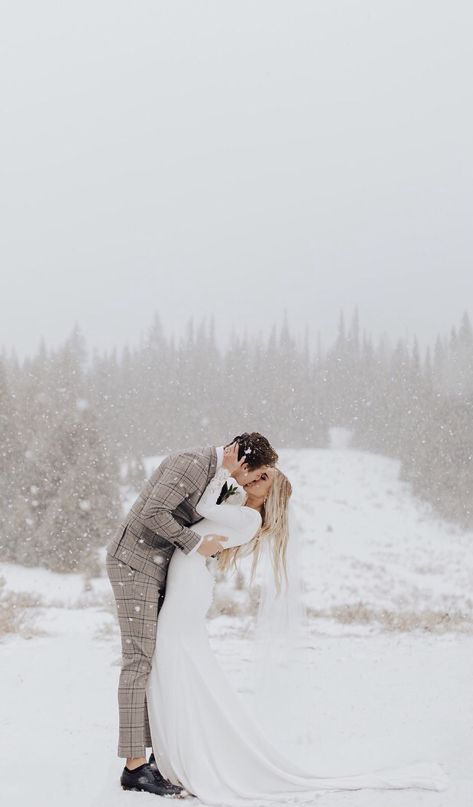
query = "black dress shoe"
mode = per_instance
[
  {"x": 152, "y": 763},
  {"x": 146, "y": 779}
]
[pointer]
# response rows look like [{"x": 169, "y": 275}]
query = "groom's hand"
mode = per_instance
[{"x": 211, "y": 545}]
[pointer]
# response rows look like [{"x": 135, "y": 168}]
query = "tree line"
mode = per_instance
[{"x": 70, "y": 420}]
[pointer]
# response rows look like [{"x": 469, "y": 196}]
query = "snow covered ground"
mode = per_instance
[{"x": 389, "y": 651}]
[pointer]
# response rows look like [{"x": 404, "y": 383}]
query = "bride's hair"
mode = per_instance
[{"x": 274, "y": 528}]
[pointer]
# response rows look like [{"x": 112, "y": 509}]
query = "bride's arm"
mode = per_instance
[{"x": 237, "y": 522}]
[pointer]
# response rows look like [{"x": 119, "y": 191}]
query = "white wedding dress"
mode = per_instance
[{"x": 204, "y": 736}]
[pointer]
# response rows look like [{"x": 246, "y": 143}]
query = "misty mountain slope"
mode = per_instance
[{"x": 366, "y": 540}]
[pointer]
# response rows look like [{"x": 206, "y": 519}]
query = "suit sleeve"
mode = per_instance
[
  {"x": 195, "y": 548},
  {"x": 183, "y": 476}
]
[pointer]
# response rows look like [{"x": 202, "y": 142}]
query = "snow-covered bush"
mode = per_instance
[{"x": 16, "y": 612}]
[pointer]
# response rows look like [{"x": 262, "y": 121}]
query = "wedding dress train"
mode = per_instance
[{"x": 204, "y": 736}]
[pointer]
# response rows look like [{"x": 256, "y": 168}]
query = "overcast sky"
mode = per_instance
[{"x": 235, "y": 158}]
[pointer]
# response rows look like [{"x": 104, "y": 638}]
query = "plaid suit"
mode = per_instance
[{"x": 138, "y": 556}]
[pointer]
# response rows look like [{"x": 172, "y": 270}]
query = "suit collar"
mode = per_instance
[{"x": 213, "y": 461}]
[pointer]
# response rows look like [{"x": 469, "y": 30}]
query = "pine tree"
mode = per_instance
[
  {"x": 86, "y": 505},
  {"x": 10, "y": 459}
]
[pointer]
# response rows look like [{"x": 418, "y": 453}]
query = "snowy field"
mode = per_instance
[{"x": 389, "y": 651}]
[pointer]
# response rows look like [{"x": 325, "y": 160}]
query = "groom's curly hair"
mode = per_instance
[{"x": 256, "y": 448}]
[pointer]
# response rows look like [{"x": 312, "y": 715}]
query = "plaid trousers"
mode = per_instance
[{"x": 138, "y": 598}]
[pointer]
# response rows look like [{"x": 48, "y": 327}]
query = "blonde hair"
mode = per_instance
[{"x": 274, "y": 528}]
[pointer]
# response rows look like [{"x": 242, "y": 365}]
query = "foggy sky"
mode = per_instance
[{"x": 236, "y": 158}]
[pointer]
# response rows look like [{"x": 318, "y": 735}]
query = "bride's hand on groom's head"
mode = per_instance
[
  {"x": 211, "y": 545},
  {"x": 231, "y": 461}
]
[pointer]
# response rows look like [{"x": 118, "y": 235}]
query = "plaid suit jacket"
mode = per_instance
[{"x": 160, "y": 518}]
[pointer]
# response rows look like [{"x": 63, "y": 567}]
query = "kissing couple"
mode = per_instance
[{"x": 174, "y": 698}]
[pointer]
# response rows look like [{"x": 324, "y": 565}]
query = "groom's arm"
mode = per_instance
[
  {"x": 183, "y": 476},
  {"x": 220, "y": 477}
]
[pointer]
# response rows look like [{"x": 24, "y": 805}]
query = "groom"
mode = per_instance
[{"x": 138, "y": 556}]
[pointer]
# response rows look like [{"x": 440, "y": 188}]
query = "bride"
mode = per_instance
[{"x": 205, "y": 739}]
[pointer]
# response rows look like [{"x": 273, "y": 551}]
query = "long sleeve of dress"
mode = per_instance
[{"x": 234, "y": 521}]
